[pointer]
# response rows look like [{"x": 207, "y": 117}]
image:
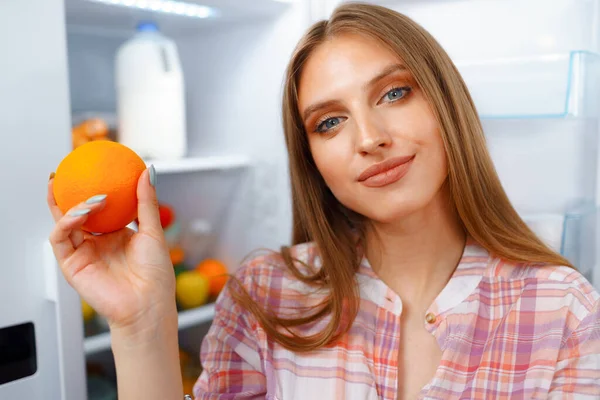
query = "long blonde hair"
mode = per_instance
[{"x": 475, "y": 189}]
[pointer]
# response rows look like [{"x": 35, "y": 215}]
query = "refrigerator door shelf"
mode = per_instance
[
  {"x": 572, "y": 234},
  {"x": 563, "y": 85},
  {"x": 580, "y": 241},
  {"x": 545, "y": 165}
]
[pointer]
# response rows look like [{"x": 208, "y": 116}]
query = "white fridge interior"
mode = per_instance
[
  {"x": 235, "y": 171},
  {"x": 230, "y": 193}
]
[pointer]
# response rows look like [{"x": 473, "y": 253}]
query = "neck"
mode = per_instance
[{"x": 417, "y": 254}]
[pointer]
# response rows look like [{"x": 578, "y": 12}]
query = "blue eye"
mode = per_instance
[
  {"x": 395, "y": 94},
  {"x": 328, "y": 124}
]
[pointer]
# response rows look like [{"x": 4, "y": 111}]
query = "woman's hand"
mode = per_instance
[{"x": 125, "y": 276}]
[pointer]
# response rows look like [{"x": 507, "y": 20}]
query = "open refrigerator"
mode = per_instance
[{"x": 532, "y": 68}]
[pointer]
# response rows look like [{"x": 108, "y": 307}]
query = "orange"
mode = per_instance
[
  {"x": 177, "y": 255},
  {"x": 100, "y": 167},
  {"x": 216, "y": 272}
]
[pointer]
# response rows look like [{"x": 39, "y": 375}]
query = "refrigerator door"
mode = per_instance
[
  {"x": 535, "y": 87},
  {"x": 41, "y": 353}
]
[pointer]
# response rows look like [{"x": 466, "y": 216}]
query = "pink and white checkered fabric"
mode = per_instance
[{"x": 506, "y": 331}]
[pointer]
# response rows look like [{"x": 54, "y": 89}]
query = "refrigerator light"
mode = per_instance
[{"x": 165, "y": 6}]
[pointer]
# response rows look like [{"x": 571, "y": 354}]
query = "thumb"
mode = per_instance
[{"x": 148, "y": 215}]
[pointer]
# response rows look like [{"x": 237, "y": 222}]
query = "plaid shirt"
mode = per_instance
[{"x": 506, "y": 331}]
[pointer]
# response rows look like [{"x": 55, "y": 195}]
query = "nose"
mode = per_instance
[{"x": 371, "y": 137}]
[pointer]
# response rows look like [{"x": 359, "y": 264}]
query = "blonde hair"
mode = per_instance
[{"x": 477, "y": 195}]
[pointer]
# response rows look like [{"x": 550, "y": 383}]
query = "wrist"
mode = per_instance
[
  {"x": 146, "y": 331},
  {"x": 147, "y": 359}
]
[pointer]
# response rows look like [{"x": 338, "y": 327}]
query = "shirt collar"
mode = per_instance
[{"x": 464, "y": 280}]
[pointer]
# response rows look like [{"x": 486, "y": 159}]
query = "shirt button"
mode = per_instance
[{"x": 430, "y": 318}]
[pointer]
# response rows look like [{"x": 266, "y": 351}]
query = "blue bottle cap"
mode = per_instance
[{"x": 147, "y": 26}]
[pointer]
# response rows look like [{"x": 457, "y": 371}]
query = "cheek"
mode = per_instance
[
  {"x": 425, "y": 133},
  {"x": 332, "y": 158},
  {"x": 438, "y": 161},
  {"x": 433, "y": 169},
  {"x": 418, "y": 124},
  {"x": 435, "y": 152}
]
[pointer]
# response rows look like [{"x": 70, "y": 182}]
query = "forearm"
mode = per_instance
[{"x": 147, "y": 361}]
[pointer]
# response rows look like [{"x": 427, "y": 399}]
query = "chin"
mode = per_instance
[
  {"x": 387, "y": 212},
  {"x": 388, "y": 217}
]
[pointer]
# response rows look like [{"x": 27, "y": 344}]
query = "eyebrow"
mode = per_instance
[
  {"x": 386, "y": 72},
  {"x": 325, "y": 104}
]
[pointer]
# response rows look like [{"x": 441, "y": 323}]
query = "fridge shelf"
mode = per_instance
[
  {"x": 198, "y": 164},
  {"x": 562, "y": 85},
  {"x": 119, "y": 17},
  {"x": 572, "y": 234},
  {"x": 186, "y": 319},
  {"x": 545, "y": 165}
]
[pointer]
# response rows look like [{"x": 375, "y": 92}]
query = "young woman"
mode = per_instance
[{"x": 411, "y": 275}]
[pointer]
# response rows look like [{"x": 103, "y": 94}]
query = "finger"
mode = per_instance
[
  {"x": 76, "y": 236},
  {"x": 148, "y": 215},
  {"x": 67, "y": 234},
  {"x": 60, "y": 237},
  {"x": 54, "y": 210}
]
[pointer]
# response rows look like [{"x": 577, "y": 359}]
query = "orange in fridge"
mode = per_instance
[
  {"x": 100, "y": 167},
  {"x": 216, "y": 272},
  {"x": 177, "y": 255}
]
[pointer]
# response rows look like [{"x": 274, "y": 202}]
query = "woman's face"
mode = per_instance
[{"x": 370, "y": 129}]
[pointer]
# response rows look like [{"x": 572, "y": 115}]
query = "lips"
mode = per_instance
[{"x": 383, "y": 167}]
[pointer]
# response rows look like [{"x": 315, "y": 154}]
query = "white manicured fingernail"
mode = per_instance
[
  {"x": 96, "y": 199},
  {"x": 80, "y": 212},
  {"x": 152, "y": 173}
]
